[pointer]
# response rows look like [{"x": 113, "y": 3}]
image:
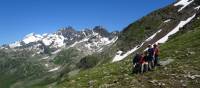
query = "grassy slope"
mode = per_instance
[
  {"x": 184, "y": 48},
  {"x": 16, "y": 69}
]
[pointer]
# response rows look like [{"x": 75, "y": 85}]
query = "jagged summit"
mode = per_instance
[{"x": 65, "y": 38}]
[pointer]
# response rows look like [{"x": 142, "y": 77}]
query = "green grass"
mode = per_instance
[
  {"x": 66, "y": 56},
  {"x": 183, "y": 48}
]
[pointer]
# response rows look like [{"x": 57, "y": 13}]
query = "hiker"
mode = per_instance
[
  {"x": 136, "y": 65},
  {"x": 150, "y": 57},
  {"x": 156, "y": 54},
  {"x": 143, "y": 62}
]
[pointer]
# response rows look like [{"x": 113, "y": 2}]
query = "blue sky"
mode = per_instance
[{"x": 21, "y": 17}]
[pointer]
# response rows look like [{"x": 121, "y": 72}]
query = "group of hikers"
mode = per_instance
[{"x": 147, "y": 60}]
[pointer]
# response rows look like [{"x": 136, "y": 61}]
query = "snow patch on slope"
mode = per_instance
[
  {"x": 151, "y": 37},
  {"x": 197, "y": 8},
  {"x": 183, "y": 3},
  {"x": 57, "y": 51},
  {"x": 97, "y": 43},
  {"x": 83, "y": 40},
  {"x": 166, "y": 21},
  {"x": 47, "y": 65},
  {"x": 175, "y": 30},
  {"x": 109, "y": 43},
  {"x": 84, "y": 33},
  {"x": 54, "y": 69},
  {"x": 44, "y": 58},
  {"x": 113, "y": 40},
  {"x": 94, "y": 33}
]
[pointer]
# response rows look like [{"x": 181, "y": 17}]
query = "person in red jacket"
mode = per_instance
[
  {"x": 156, "y": 54},
  {"x": 144, "y": 62}
]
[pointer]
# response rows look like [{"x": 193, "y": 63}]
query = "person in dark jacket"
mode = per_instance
[
  {"x": 150, "y": 57},
  {"x": 135, "y": 62}
]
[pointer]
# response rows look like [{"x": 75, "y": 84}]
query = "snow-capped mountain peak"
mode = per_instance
[
  {"x": 57, "y": 40},
  {"x": 32, "y": 37},
  {"x": 47, "y": 39},
  {"x": 89, "y": 40},
  {"x": 16, "y": 44}
]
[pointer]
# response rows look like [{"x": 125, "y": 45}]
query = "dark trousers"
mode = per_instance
[
  {"x": 151, "y": 60},
  {"x": 136, "y": 68},
  {"x": 156, "y": 62}
]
